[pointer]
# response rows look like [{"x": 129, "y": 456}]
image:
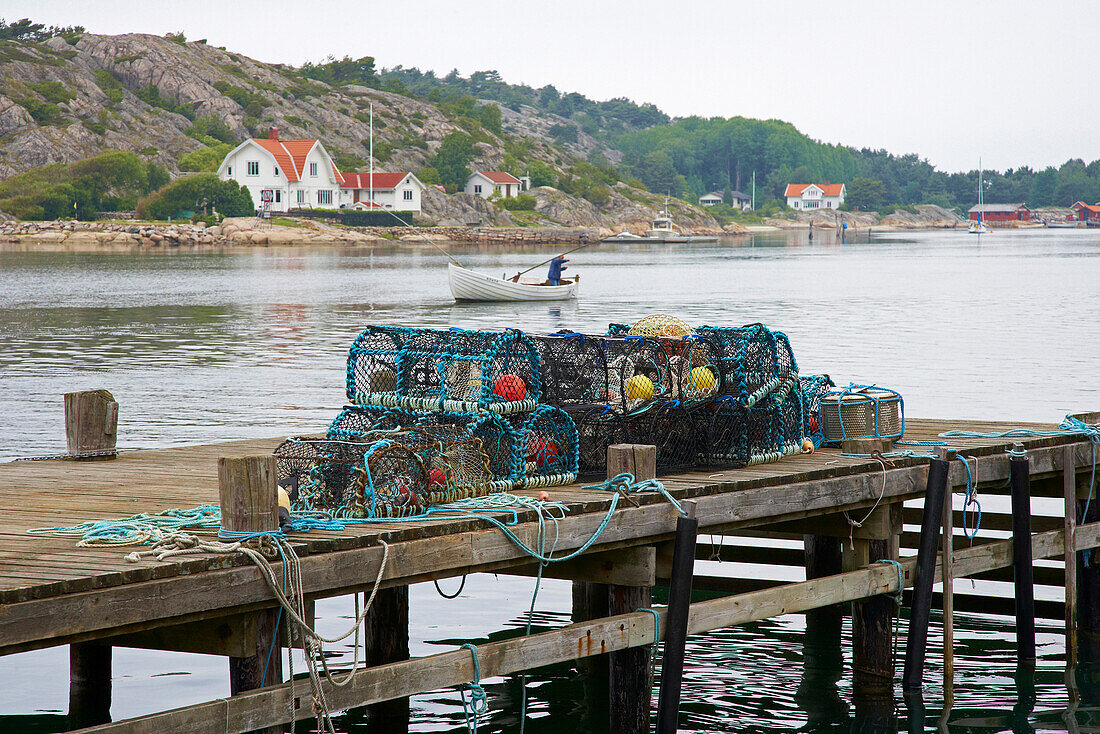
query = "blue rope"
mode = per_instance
[
  {"x": 656, "y": 622},
  {"x": 901, "y": 579},
  {"x": 479, "y": 701}
]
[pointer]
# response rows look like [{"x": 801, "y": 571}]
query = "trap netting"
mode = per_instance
[
  {"x": 411, "y": 469},
  {"x": 435, "y": 369},
  {"x": 813, "y": 388},
  {"x": 772, "y": 428},
  {"x": 321, "y": 474},
  {"x": 755, "y": 361}
]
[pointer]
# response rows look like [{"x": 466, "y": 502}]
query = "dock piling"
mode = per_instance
[
  {"x": 1023, "y": 574},
  {"x": 89, "y": 684},
  {"x": 386, "y": 640},
  {"x": 1069, "y": 493},
  {"x": 249, "y": 504},
  {"x": 916, "y": 645},
  {"x": 629, "y": 683},
  {"x": 679, "y": 604}
]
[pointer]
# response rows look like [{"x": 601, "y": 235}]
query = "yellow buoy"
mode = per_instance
[
  {"x": 284, "y": 499},
  {"x": 639, "y": 387},
  {"x": 701, "y": 380}
]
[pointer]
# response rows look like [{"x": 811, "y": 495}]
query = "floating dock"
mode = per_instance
[{"x": 54, "y": 593}]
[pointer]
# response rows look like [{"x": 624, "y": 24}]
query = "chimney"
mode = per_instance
[
  {"x": 273, "y": 133},
  {"x": 826, "y": 180}
]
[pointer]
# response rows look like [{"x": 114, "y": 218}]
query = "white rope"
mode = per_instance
[{"x": 293, "y": 602}]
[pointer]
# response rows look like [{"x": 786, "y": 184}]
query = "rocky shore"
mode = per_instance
[
  {"x": 924, "y": 216},
  {"x": 253, "y": 232}
]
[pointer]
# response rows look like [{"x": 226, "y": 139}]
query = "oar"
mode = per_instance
[{"x": 546, "y": 262}]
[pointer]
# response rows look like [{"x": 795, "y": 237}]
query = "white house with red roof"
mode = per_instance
[
  {"x": 807, "y": 197},
  {"x": 400, "y": 191},
  {"x": 286, "y": 174},
  {"x": 487, "y": 183}
]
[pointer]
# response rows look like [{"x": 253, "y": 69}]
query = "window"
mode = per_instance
[
  {"x": 477, "y": 188},
  {"x": 253, "y": 168},
  {"x": 313, "y": 170},
  {"x": 408, "y": 196},
  {"x": 278, "y": 195},
  {"x": 324, "y": 196},
  {"x": 301, "y": 196},
  {"x": 276, "y": 170},
  {"x": 229, "y": 170}
]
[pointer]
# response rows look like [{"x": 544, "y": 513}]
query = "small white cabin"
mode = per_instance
[
  {"x": 487, "y": 183},
  {"x": 711, "y": 198}
]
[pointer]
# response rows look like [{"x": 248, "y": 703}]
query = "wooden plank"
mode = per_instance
[{"x": 634, "y": 566}]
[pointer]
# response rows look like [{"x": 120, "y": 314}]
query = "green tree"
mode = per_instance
[
  {"x": 428, "y": 176},
  {"x": 452, "y": 160},
  {"x": 865, "y": 194},
  {"x": 204, "y": 159},
  {"x": 541, "y": 174}
]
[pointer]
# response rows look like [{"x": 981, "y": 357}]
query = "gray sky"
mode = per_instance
[{"x": 1009, "y": 81}]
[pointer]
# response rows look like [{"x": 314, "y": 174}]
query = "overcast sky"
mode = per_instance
[{"x": 1012, "y": 82}]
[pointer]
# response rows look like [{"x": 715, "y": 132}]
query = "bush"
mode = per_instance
[
  {"x": 77, "y": 189},
  {"x": 357, "y": 218},
  {"x": 51, "y": 91},
  {"x": 211, "y": 126},
  {"x": 518, "y": 203},
  {"x": 110, "y": 87},
  {"x": 193, "y": 193},
  {"x": 204, "y": 159}
]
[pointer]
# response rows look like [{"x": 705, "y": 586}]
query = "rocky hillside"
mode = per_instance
[{"x": 64, "y": 100}]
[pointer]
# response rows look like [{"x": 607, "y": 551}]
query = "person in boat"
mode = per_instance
[{"x": 557, "y": 265}]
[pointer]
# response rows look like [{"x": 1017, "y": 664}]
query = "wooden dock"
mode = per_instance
[{"x": 54, "y": 593}]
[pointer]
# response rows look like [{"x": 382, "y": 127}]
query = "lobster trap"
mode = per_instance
[
  {"x": 321, "y": 474},
  {"x": 409, "y": 470},
  {"x": 444, "y": 370},
  {"x": 768, "y": 431},
  {"x": 861, "y": 411},
  {"x": 755, "y": 361},
  {"x": 813, "y": 387}
]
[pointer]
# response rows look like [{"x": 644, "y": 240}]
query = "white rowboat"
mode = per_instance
[{"x": 467, "y": 285}]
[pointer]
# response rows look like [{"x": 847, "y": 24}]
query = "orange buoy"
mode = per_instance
[{"x": 544, "y": 496}]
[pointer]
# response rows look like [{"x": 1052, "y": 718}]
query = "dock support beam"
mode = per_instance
[
  {"x": 249, "y": 503},
  {"x": 386, "y": 640},
  {"x": 822, "y": 657},
  {"x": 629, "y": 684},
  {"x": 1023, "y": 573},
  {"x": 89, "y": 684},
  {"x": 916, "y": 645},
  {"x": 1088, "y": 589}
]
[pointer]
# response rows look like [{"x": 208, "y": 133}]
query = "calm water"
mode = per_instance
[{"x": 212, "y": 346}]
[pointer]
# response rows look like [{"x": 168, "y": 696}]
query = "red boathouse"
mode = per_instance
[
  {"x": 1000, "y": 213},
  {"x": 1087, "y": 212}
]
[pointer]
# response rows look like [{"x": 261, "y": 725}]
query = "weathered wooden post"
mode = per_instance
[
  {"x": 629, "y": 682},
  {"x": 916, "y": 645},
  {"x": 249, "y": 504},
  {"x": 91, "y": 424},
  {"x": 1069, "y": 498},
  {"x": 89, "y": 684},
  {"x": 822, "y": 657},
  {"x": 1023, "y": 573},
  {"x": 386, "y": 640}
]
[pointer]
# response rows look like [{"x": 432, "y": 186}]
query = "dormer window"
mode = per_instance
[{"x": 313, "y": 169}]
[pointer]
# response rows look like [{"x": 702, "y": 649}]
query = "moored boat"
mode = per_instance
[{"x": 469, "y": 285}]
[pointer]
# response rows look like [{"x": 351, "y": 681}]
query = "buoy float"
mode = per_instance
[
  {"x": 807, "y": 446},
  {"x": 542, "y": 451},
  {"x": 639, "y": 387},
  {"x": 438, "y": 476},
  {"x": 510, "y": 387},
  {"x": 284, "y": 499},
  {"x": 544, "y": 496},
  {"x": 701, "y": 380}
]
